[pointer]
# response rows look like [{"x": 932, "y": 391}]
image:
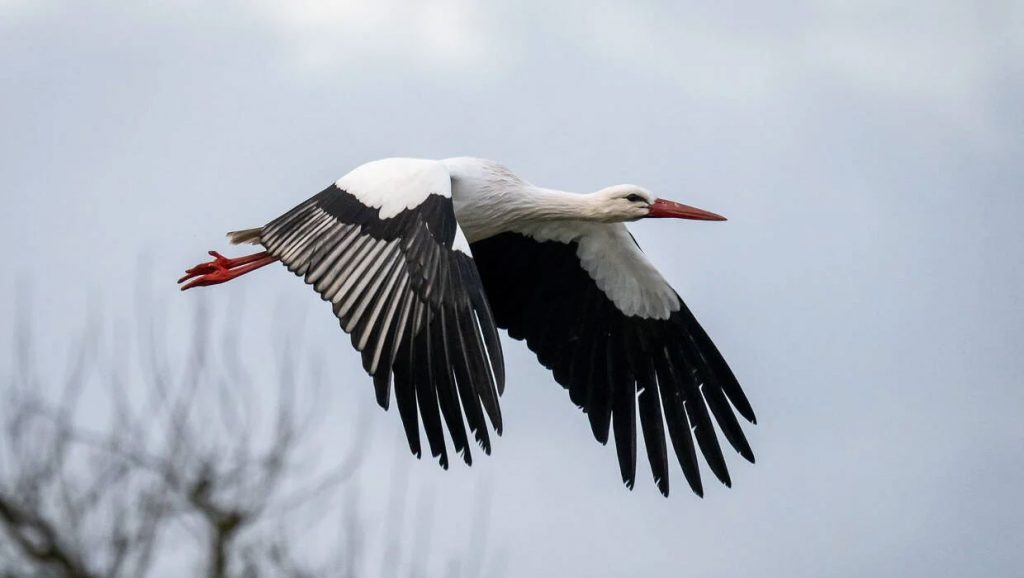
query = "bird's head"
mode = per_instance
[{"x": 631, "y": 203}]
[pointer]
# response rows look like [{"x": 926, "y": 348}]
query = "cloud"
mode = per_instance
[
  {"x": 11, "y": 11},
  {"x": 947, "y": 57},
  {"x": 445, "y": 35},
  {"x": 946, "y": 53},
  {"x": 701, "y": 57}
]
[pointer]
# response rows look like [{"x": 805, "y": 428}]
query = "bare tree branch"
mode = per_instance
[{"x": 134, "y": 459}]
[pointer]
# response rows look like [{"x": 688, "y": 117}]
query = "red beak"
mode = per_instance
[{"x": 662, "y": 209}]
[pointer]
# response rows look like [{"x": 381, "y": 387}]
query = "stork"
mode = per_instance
[{"x": 423, "y": 261}]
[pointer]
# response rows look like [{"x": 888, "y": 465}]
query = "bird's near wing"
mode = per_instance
[
  {"x": 383, "y": 246},
  {"x": 596, "y": 312}
]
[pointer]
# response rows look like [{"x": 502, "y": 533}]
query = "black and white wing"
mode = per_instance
[
  {"x": 383, "y": 246},
  {"x": 618, "y": 337}
]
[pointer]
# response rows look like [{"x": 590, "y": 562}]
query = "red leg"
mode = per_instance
[{"x": 223, "y": 269}]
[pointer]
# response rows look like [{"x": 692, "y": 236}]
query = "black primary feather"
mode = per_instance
[
  {"x": 615, "y": 366},
  {"x": 413, "y": 305}
]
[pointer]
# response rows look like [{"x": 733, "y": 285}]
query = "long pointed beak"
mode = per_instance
[{"x": 662, "y": 209}]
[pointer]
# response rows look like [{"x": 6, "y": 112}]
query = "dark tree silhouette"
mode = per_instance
[
  {"x": 141, "y": 459},
  {"x": 183, "y": 473}
]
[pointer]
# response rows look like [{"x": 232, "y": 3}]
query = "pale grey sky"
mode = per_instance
[{"x": 867, "y": 288}]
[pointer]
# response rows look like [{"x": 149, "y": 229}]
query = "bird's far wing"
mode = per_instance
[
  {"x": 386, "y": 251},
  {"x": 618, "y": 337}
]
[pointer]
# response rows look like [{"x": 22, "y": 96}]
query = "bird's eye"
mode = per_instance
[{"x": 633, "y": 198}]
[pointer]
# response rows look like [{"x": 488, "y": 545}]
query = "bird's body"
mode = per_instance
[
  {"x": 490, "y": 200},
  {"x": 423, "y": 260}
]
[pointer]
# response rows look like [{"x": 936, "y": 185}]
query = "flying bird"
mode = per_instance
[{"x": 423, "y": 261}]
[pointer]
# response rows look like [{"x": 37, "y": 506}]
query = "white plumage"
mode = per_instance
[
  {"x": 423, "y": 260},
  {"x": 396, "y": 185}
]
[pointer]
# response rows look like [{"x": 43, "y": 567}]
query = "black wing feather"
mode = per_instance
[
  {"x": 413, "y": 305},
  {"x": 615, "y": 366}
]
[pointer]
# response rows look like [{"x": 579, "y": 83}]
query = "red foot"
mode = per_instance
[{"x": 223, "y": 269}]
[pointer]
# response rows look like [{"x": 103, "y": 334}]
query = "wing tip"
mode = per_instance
[
  {"x": 382, "y": 389},
  {"x": 723, "y": 477},
  {"x": 748, "y": 455},
  {"x": 484, "y": 443},
  {"x": 600, "y": 428}
]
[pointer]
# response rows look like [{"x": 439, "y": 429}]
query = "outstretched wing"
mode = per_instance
[
  {"x": 600, "y": 316},
  {"x": 383, "y": 246}
]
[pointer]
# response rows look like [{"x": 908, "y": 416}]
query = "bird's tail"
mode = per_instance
[{"x": 245, "y": 237}]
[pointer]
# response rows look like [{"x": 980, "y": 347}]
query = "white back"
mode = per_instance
[
  {"x": 397, "y": 184},
  {"x": 489, "y": 199}
]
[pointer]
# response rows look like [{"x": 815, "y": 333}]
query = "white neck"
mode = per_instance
[
  {"x": 540, "y": 204},
  {"x": 490, "y": 199},
  {"x": 518, "y": 208}
]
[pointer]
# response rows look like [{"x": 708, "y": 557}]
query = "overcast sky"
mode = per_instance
[{"x": 867, "y": 289}]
